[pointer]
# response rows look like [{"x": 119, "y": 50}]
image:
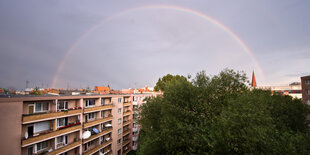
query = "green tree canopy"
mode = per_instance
[
  {"x": 162, "y": 82},
  {"x": 222, "y": 115}
]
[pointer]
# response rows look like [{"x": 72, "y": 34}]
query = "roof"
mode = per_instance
[{"x": 102, "y": 88}]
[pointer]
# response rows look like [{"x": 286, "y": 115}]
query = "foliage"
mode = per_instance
[
  {"x": 36, "y": 91},
  {"x": 162, "y": 82},
  {"x": 222, "y": 115}
]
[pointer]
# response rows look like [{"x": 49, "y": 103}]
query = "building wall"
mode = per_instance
[
  {"x": 305, "y": 87},
  {"x": 116, "y": 126},
  {"x": 10, "y": 128}
]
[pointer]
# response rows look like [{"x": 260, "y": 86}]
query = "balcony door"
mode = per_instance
[
  {"x": 30, "y": 130},
  {"x": 30, "y": 151},
  {"x": 31, "y": 108}
]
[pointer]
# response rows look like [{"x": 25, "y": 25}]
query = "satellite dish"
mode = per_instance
[
  {"x": 95, "y": 130},
  {"x": 26, "y": 135},
  {"x": 108, "y": 125},
  {"x": 86, "y": 134}
]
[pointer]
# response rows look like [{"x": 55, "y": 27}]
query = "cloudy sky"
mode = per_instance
[{"x": 130, "y": 44}]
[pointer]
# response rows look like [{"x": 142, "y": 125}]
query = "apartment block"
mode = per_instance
[
  {"x": 73, "y": 125},
  {"x": 305, "y": 90}
]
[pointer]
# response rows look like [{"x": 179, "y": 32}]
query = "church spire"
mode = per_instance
[{"x": 253, "y": 80}]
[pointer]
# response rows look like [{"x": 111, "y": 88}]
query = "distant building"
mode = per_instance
[
  {"x": 102, "y": 90},
  {"x": 293, "y": 89},
  {"x": 305, "y": 84}
]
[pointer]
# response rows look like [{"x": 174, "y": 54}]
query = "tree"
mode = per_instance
[
  {"x": 162, "y": 82},
  {"x": 221, "y": 115}
]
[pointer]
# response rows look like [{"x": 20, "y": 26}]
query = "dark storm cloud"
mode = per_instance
[{"x": 137, "y": 48}]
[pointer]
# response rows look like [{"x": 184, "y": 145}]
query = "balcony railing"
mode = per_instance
[
  {"x": 29, "y": 118},
  {"x": 127, "y": 112},
  {"x": 125, "y": 104},
  {"x": 126, "y": 141},
  {"x": 126, "y": 122},
  {"x": 97, "y": 121},
  {"x": 134, "y": 138},
  {"x": 126, "y": 132},
  {"x": 134, "y": 147},
  {"x": 98, "y": 135},
  {"x": 98, "y": 147},
  {"x": 98, "y": 108},
  {"x": 134, "y": 129},
  {"x": 50, "y": 135},
  {"x": 125, "y": 151},
  {"x": 66, "y": 148}
]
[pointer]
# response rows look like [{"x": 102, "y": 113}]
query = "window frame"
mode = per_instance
[
  {"x": 41, "y": 106},
  {"x": 41, "y": 146},
  {"x": 65, "y": 123},
  {"x": 88, "y": 103},
  {"x": 65, "y": 105}
]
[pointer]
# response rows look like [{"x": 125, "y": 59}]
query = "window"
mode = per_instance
[
  {"x": 119, "y": 131},
  {"x": 119, "y": 121},
  {"x": 308, "y": 102},
  {"x": 119, "y": 110},
  {"x": 91, "y": 115},
  {"x": 102, "y": 114},
  {"x": 119, "y": 100},
  {"x": 89, "y": 144},
  {"x": 90, "y": 103},
  {"x": 41, "y": 146},
  {"x": 118, "y": 141},
  {"x": 41, "y": 126},
  {"x": 62, "y": 105},
  {"x": 41, "y": 107},
  {"x": 62, "y": 122},
  {"x": 62, "y": 140},
  {"x": 308, "y": 82},
  {"x": 308, "y": 91},
  {"x": 103, "y": 101}
]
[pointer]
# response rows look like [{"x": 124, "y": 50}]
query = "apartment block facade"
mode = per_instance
[
  {"x": 305, "y": 85},
  {"x": 58, "y": 124}
]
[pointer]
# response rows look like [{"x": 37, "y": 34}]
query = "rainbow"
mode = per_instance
[{"x": 168, "y": 7}]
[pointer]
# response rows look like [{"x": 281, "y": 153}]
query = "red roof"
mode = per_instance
[{"x": 102, "y": 88}]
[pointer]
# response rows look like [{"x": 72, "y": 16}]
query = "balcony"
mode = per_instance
[
  {"x": 30, "y": 118},
  {"x": 126, "y": 151},
  {"x": 125, "y": 104},
  {"x": 97, "y": 121},
  {"x": 126, "y": 132},
  {"x": 126, "y": 123},
  {"x": 135, "y": 138},
  {"x": 134, "y": 147},
  {"x": 97, "y": 148},
  {"x": 66, "y": 148},
  {"x": 128, "y": 112},
  {"x": 125, "y": 142},
  {"x": 98, "y": 108},
  {"x": 97, "y": 135},
  {"x": 50, "y": 135}
]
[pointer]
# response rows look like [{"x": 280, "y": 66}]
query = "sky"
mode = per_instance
[{"x": 130, "y": 44}]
